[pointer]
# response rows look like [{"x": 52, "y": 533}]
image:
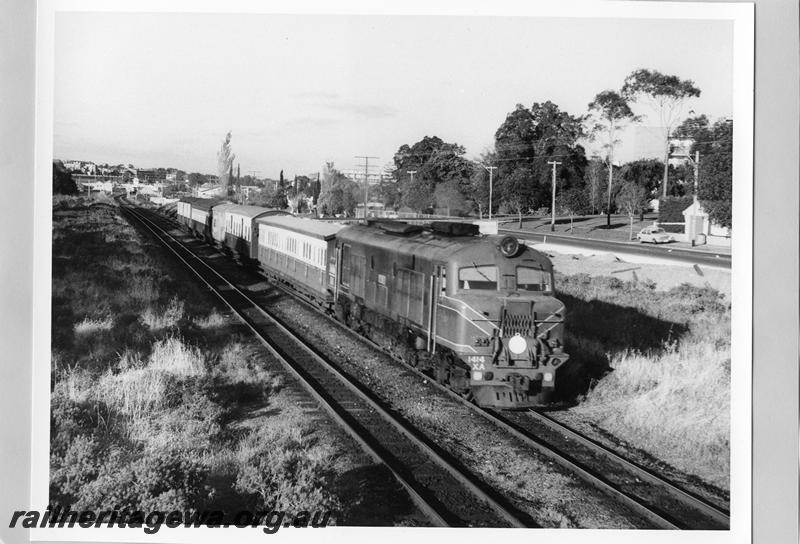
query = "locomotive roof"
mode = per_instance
[
  {"x": 423, "y": 243},
  {"x": 311, "y": 227},
  {"x": 253, "y": 211},
  {"x": 433, "y": 246},
  {"x": 189, "y": 199}
]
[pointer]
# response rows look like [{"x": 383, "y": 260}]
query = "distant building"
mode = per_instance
[{"x": 208, "y": 190}]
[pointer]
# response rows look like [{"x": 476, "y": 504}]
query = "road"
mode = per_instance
[{"x": 684, "y": 255}]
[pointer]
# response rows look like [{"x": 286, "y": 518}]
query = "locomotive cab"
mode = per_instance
[{"x": 512, "y": 337}]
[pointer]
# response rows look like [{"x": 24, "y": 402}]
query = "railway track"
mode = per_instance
[
  {"x": 680, "y": 507},
  {"x": 662, "y": 503},
  {"x": 444, "y": 491}
]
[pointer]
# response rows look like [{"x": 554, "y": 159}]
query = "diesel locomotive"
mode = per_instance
[{"x": 477, "y": 313}]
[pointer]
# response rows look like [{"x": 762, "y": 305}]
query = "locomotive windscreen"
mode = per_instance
[
  {"x": 532, "y": 279},
  {"x": 478, "y": 277}
]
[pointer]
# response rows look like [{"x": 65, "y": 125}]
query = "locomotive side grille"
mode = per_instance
[{"x": 522, "y": 324}]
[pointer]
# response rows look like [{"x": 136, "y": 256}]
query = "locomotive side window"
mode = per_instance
[
  {"x": 478, "y": 277},
  {"x": 532, "y": 279}
]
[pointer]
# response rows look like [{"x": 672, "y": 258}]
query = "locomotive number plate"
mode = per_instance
[{"x": 478, "y": 362}]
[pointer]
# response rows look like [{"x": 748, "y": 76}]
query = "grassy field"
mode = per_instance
[
  {"x": 652, "y": 367},
  {"x": 160, "y": 400}
]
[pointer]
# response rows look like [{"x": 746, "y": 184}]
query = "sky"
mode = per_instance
[{"x": 163, "y": 89}]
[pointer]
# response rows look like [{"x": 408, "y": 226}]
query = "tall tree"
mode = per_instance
[
  {"x": 666, "y": 94},
  {"x": 609, "y": 112},
  {"x": 225, "y": 158}
]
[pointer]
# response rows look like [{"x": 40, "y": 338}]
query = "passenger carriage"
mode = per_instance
[
  {"x": 201, "y": 217},
  {"x": 301, "y": 252},
  {"x": 184, "y": 211},
  {"x": 240, "y": 228}
]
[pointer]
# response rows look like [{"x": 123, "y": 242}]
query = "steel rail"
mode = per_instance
[
  {"x": 338, "y": 412},
  {"x": 703, "y": 506}
]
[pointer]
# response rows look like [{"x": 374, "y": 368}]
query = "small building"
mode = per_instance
[{"x": 699, "y": 229}]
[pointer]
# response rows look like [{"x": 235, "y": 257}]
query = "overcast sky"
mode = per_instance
[{"x": 296, "y": 91}]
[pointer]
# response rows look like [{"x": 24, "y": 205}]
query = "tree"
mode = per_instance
[
  {"x": 449, "y": 196},
  {"x": 434, "y": 162},
  {"x": 338, "y": 193},
  {"x": 631, "y": 199},
  {"x": 529, "y": 138},
  {"x": 609, "y": 112},
  {"x": 714, "y": 143},
  {"x": 225, "y": 158},
  {"x": 573, "y": 201},
  {"x": 196, "y": 179},
  {"x": 63, "y": 184},
  {"x": 417, "y": 194},
  {"x": 666, "y": 94},
  {"x": 518, "y": 192},
  {"x": 593, "y": 179}
]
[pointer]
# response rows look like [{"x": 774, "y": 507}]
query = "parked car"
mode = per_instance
[{"x": 655, "y": 235}]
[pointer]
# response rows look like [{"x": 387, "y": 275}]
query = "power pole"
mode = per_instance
[
  {"x": 411, "y": 173},
  {"x": 553, "y": 208},
  {"x": 366, "y": 179},
  {"x": 491, "y": 170}
]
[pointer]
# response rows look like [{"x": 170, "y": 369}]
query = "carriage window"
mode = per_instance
[
  {"x": 478, "y": 277},
  {"x": 532, "y": 279}
]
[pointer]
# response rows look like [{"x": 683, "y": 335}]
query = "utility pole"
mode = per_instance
[
  {"x": 366, "y": 179},
  {"x": 491, "y": 170},
  {"x": 553, "y": 208},
  {"x": 696, "y": 163},
  {"x": 411, "y": 173}
]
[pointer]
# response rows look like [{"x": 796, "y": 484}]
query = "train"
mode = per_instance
[{"x": 477, "y": 313}]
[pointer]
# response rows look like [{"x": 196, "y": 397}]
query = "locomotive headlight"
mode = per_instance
[
  {"x": 517, "y": 345},
  {"x": 509, "y": 246},
  {"x": 548, "y": 377}
]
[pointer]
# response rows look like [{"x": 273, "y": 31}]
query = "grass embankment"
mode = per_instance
[
  {"x": 654, "y": 367},
  {"x": 159, "y": 399}
]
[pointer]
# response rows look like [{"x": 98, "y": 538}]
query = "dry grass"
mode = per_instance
[
  {"x": 212, "y": 320},
  {"x": 136, "y": 393},
  {"x": 669, "y": 396},
  {"x": 92, "y": 325},
  {"x": 168, "y": 318},
  {"x": 675, "y": 403},
  {"x": 173, "y": 356}
]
